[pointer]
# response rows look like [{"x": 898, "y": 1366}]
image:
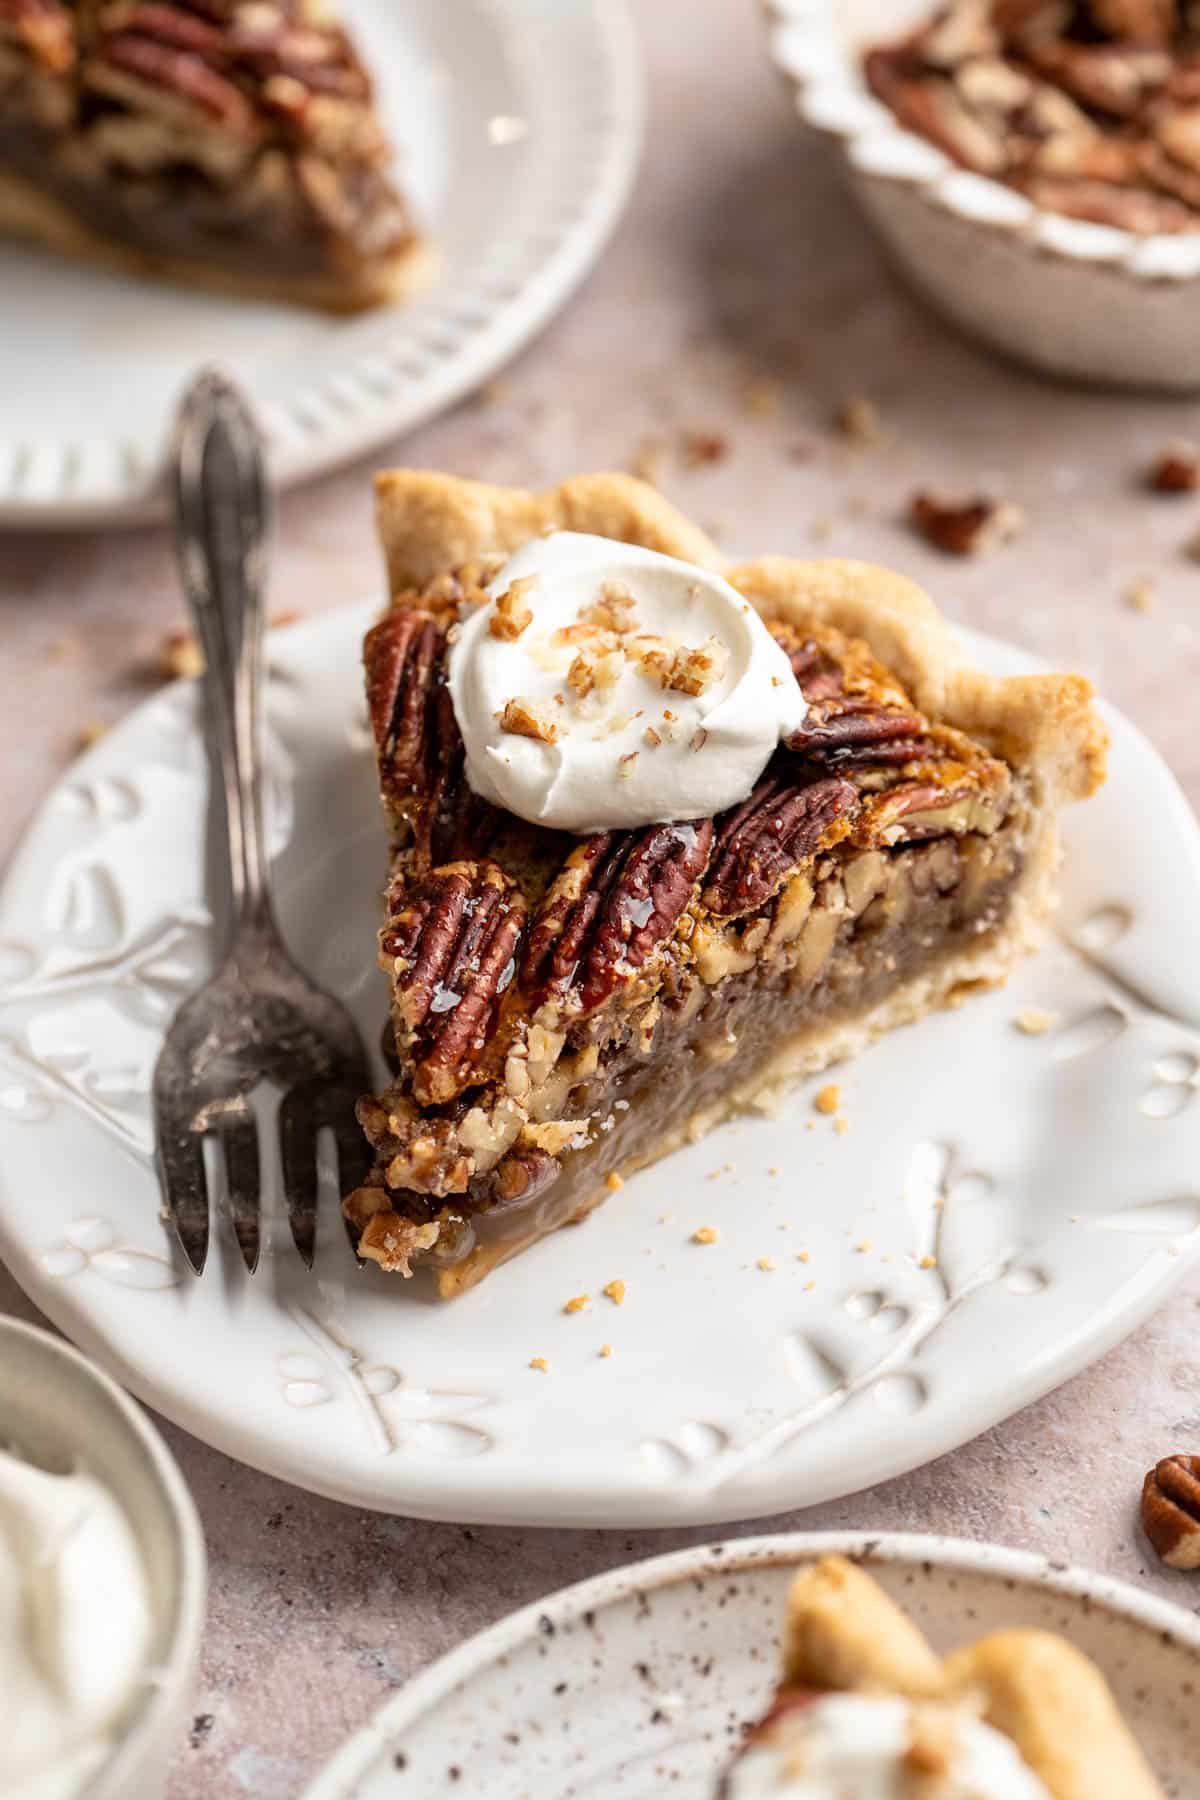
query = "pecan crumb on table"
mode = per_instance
[
  {"x": 964, "y": 524},
  {"x": 1176, "y": 468}
]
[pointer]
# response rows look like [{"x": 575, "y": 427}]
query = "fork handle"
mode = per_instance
[{"x": 222, "y": 519}]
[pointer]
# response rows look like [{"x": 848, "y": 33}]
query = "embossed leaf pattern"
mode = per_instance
[
  {"x": 397, "y": 1414},
  {"x": 695, "y": 1444},
  {"x": 84, "y": 907},
  {"x": 89, "y": 1244}
]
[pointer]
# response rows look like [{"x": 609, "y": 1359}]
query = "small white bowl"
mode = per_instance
[
  {"x": 57, "y": 1409},
  {"x": 1071, "y": 298}
]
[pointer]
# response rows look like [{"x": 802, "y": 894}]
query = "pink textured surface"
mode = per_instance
[{"x": 740, "y": 259}]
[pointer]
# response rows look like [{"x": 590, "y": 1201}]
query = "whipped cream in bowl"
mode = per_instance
[
  {"x": 604, "y": 686},
  {"x": 76, "y": 1627},
  {"x": 101, "y": 1582}
]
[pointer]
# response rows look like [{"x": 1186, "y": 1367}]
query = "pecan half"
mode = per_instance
[
  {"x": 402, "y": 656},
  {"x": 1139, "y": 21},
  {"x": 1106, "y": 78},
  {"x": 1171, "y": 1510},
  {"x": 179, "y": 77},
  {"x": 418, "y": 744},
  {"x": 618, "y": 896},
  {"x": 931, "y": 106},
  {"x": 451, "y": 945},
  {"x": 760, "y": 843},
  {"x": 852, "y": 729}
]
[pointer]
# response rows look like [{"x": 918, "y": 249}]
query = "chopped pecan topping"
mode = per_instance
[
  {"x": 614, "y": 610},
  {"x": 964, "y": 524},
  {"x": 451, "y": 944},
  {"x": 761, "y": 842},
  {"x": 1175, "y": 470},
  {"x": 513, "y": 614},
  {"x": 619, "y": 896},
  {"x": 527, "y": 718},
  {"x": 1171, "y": 1510}
]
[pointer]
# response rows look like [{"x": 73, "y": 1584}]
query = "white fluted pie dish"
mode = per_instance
[{"x": 1070, "y": 298}]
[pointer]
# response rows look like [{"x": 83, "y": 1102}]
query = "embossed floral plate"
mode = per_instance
[
  {"x": 639, "y": 1680},
  {"x": 1001, "y": 1208},
  {"x": 519, "y": 123}
]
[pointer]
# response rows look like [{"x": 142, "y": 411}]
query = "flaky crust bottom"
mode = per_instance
[
  {"x": 27, "y": 212},
  {"x": 843, "y": 1632},
  {"x": 986, "y": 963}
]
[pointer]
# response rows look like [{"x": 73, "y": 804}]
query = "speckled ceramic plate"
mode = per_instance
[
  {"x": 640, "y": 1680},
  {"x": 519, "y": 123},
  {"x": 1001, "y": 1209}
]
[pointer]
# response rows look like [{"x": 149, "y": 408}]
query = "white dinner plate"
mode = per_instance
[
  {"x": 639, "y": 1681},
  {"x": 1000, "y": 1209},
  {"x": 519, "y": 123}
]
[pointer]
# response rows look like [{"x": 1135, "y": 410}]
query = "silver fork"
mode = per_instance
[{"x": 259, "y": 1022}]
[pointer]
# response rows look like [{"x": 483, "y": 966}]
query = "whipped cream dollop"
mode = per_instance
[
  {"x": 75, "y": 1629},
  {"x": 868, "y": 1747},
  {"x": 604, "y": 686}
]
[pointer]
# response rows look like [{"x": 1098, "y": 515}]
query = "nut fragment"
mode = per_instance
[
  {"x": 614, "y": 610},
  {"x": 512, "y": 613},
  {"x": 527, "y": 718},
  {"x": 964, "y": 524},
  {"x": 1171, "y": 1510},
  {"x": 1176, "y": 469},
  {"x": 700, "y": 447},
  {"x": 857, "y": 419}
]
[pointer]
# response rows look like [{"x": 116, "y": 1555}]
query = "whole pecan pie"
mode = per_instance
[
  {"x": 1089, "y": 107},
  {"x": 231, "y": 144},
  {"x": 867, "y": 1707},
  {"x": 568, "y": 1006}
]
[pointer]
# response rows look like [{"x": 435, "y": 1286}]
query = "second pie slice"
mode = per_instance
[
  {"x": 669, "y": 920},
  {"x": 227, "y": 144}
]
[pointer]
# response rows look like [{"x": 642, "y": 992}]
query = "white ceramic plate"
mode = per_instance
[
  {"x": 1054, "y": 1177},
  {"x": 520, "y": 122},
  {"x": 640, "y": 1680}
]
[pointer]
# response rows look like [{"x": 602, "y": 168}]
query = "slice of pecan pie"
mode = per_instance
[
  {"x": 230, "y": 144},
  {"x": 569, "y": 1006}
]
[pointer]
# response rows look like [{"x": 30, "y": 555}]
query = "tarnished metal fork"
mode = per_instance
[{"x": 259, "y": 1023}]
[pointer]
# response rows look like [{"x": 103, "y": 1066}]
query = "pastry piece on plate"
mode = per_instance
[
  {"x": 867, "y": 1710},
  {"x": 668, "y": 833},
  {"x": 230, "y": 144}
]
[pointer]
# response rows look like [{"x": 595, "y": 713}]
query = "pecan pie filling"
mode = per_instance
[
  {"x": 568, "y": 1008},
  {"x": 1089, "y": 107},
  {"x": 200, "y": 139}
]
